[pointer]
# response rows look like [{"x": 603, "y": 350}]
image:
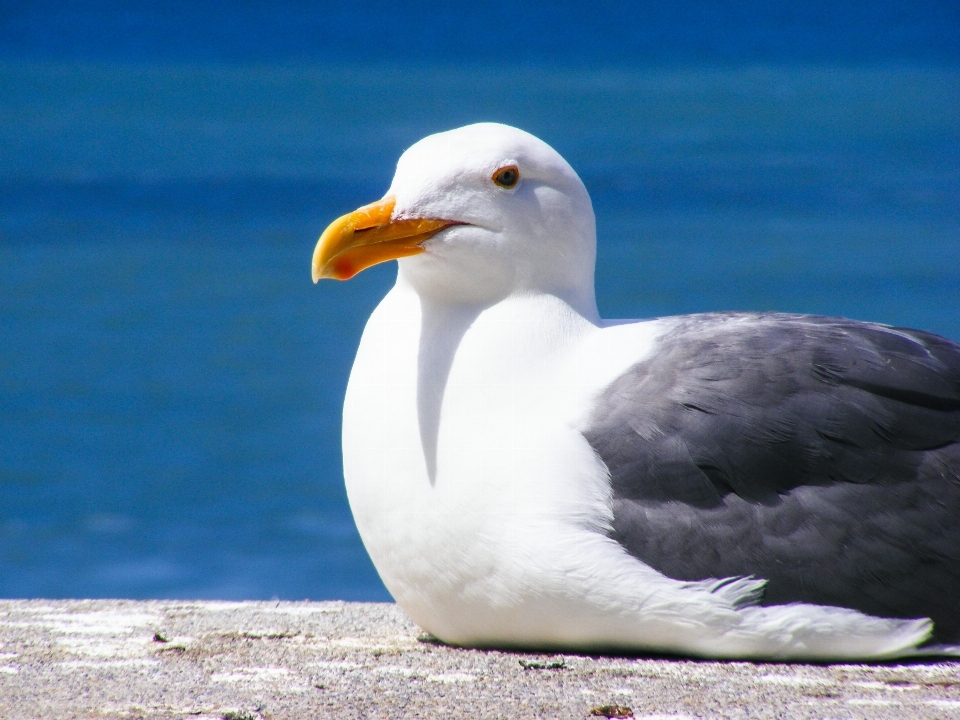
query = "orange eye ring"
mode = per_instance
[{"x": 507, "y": 177}]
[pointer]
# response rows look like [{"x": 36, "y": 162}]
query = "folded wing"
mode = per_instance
[{"x": 818, "y": 453}]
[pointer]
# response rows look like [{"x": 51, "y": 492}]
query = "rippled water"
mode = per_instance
[{"x": 170, "y": 380}]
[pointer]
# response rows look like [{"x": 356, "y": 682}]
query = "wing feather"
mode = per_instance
[{"x": 822, "y": 454}]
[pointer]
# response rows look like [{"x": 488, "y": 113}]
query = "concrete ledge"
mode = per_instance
[{"x": 251, "y": 660}]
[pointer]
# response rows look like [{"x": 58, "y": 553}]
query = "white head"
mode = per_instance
[{"x": 474, "y": 215}]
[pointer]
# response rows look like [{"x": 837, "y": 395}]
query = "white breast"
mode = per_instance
[{"x": 468, "y": 477}]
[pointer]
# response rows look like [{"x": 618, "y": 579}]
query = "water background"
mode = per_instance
[{"x": 170, "y": 379}]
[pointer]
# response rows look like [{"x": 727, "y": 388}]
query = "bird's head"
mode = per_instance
[{"x": 473, "y": 215}]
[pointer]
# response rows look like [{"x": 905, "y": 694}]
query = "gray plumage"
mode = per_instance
[{"x": 818, "y": 453}]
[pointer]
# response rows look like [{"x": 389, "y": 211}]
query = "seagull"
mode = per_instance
[{"x": 731, "y": 485}]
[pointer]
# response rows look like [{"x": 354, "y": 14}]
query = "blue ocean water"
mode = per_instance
[
  {"x": 171, "y": 380},
  {"x": 700, "y": 32}
]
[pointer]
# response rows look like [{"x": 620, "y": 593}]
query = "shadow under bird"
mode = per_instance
[{"x": 525, "y": 474}]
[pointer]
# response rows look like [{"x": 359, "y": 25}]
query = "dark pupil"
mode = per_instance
[{"x": 507, "y": 177}]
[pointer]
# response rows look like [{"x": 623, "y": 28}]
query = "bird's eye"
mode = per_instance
[{"x": 507, "y": 177}]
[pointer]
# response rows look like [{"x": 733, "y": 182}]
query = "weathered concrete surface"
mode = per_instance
[{"x": 195, "y": 660}]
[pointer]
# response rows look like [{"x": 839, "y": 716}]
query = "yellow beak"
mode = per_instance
[{"x": 368, "y": 236}]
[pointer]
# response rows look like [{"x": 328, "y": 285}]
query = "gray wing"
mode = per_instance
[{"x": 818, "y": 453}]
